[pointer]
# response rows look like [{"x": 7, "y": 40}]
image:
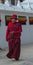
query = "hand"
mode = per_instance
[{"x": 12, "y": 32}]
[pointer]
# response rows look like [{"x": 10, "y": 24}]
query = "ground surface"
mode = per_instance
[{"x": 26, "y": 56}]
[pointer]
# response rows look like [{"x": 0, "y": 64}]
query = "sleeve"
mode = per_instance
[
  {"x": 7, "y": 34},
  {"x": 19, "y": 29}
]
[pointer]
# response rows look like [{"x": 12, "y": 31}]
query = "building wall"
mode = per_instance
[{"x": 26, "y": 35}]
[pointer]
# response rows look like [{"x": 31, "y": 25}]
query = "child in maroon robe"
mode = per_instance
[{"x": 13, "y": 34}]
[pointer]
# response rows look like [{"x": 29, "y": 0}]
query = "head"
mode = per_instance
[{"x": 14, "y": 18}]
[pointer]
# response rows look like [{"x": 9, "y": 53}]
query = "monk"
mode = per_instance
[{"x": 13, "y": 34}]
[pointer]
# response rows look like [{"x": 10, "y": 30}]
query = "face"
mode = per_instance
[{"x": 13, "y": 20}]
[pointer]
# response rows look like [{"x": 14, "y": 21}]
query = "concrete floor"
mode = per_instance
[{"x": 26, "y": 56}]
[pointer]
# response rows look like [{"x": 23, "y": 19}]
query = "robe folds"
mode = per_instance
[{"x": 13, "y": 39}]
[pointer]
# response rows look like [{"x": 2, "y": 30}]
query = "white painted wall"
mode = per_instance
[{"x": 26, "y": 35}]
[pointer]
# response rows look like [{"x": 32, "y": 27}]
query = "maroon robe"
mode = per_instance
[{"x": 13, "y": 39}]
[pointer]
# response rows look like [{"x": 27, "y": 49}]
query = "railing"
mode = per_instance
[{"x": 28, "y": 5}]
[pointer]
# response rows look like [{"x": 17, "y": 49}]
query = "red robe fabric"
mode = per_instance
[{"x": 13, "y": 39}]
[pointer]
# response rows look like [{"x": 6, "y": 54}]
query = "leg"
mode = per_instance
[
  {"x": 10, "y": 44},
  {"x": 16, "y": 52}
]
